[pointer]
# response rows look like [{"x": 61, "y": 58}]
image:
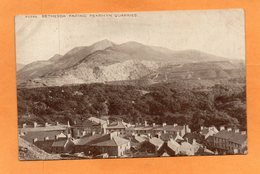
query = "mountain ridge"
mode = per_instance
[{"x": 106, "y": 61}]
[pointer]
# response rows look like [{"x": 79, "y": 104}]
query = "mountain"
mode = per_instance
[
  {"x": 19, "y": 66},
  {"x": 197, "y": 71},
  {"x": 58, "y": 62},
  {"x": 105, "y": 61}
]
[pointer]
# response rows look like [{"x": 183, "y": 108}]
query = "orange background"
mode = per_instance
[{"x": 9, "y": 163}]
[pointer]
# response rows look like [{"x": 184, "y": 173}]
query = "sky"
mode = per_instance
[{"x": 218, "y": 32}]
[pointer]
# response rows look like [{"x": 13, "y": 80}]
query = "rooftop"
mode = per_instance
[
  {"x": 87, "y": 139},
  {"x": 40, "y": 135},
  {"x": 206, "y": 130},
  {"x": 97, "y": 120},
  {"x": 59, "y": 143},
  {"x": 190, "y": 136},
  {"x": 116, "y": 125},
  {"x": 115, "y": 141},
  {"x": 29, "y": 128},
  {"x": 173, "y": 145},
  {"x": 170, "y": 128},
  {"x": 156, "y": 141},
  {"x": 231, "y": 136}
]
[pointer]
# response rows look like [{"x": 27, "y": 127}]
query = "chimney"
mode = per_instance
[
  {"x": 222, "y": 128},
  {"x": 113, "y": 134},
  {"x": 153, "y": 124},
  {"x": 24, "y": 125},
  {"x": 68, "y": 135},
  {"x": 175, "y": 124},
  {"x": 57, "y": 123},
  {"x": 201, "y": 127},
  {"x": 149, "y": 135},
  {"x": 145, "y": 123},
  {"x": 84, "y": 133},
  {"x": 243, "y": 132},
  {"x": 236, "y": 130},
  {"x": 68, "y": 124},
  {"x": 164, "y": 124},
  {"x": 35, "y": 124},
  {"x": 229, "y": 129},
  {"x": 187, "y": 129},
  {"x": 46, "y": 124},
  {"x": 186, "y": 139}
]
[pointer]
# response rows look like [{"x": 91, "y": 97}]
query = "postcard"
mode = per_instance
[{"x": 131, "y": 84}]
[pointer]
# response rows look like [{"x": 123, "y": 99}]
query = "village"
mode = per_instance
[{"x": 98, "y": 138}]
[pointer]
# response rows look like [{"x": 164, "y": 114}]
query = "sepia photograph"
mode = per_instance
[{"x": 131, "y": 84}]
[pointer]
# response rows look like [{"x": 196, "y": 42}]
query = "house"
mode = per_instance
[
  {"x": 40, "y": 136},
  {"x": 98, "y": 120},
  {"x": 172, "y": 129},
  {"x": 82, "y": 144},
  {"x": 88, "y": 126},
  {"x": 152, "y": 145},
  {"x": 230, "y": 141},
  {"x": 186, "y": 149},
  {"x": 115, "y": 146},
  {"x": 208, "y": 131},
  {"x": 44, "y": 139},
  {"x": 136, "y": 141},
  {"x": 118, "y": 126},
  {"x": 169, "y": 148},
  {"x": 36, "y": 127},
  {"x": 166, "y": 137},
  {"x": 155, "y": 129},
  {"x": 190, "y": 137},
  {"x": 139, "y": 129},
  {"x": 83, "y": 128},
  {"x": 62, "y": 146},
  {"x": 111, "y": 143}
]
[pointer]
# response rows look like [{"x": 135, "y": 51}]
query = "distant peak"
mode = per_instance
[
  {"x": 131, "y": 44},
  {"x": 55, "y": 57},
  {"x": 103, "y": 44},
  {"x": 104, "y": 41}
]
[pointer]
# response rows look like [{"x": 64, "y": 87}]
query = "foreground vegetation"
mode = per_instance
[{"x": 176, "y": 102}]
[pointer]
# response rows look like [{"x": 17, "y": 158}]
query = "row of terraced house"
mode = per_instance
[{"x": 95, "y": 136}]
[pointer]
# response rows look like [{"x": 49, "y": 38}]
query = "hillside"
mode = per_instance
[
  {"x": 214, "y": 70},
  {"x": 106, "y": 61},
  {"x": 58, "y": 62},
  {"x": 28, "y": 151}
]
